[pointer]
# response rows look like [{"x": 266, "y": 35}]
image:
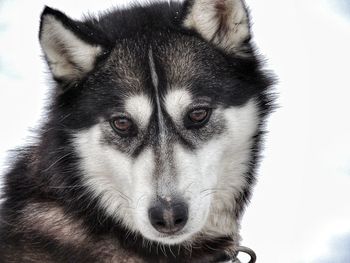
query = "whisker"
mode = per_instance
[{"x": 57, "y": 161}]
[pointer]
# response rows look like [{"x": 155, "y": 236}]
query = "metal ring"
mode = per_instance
[{"x": 248, "y": 251}]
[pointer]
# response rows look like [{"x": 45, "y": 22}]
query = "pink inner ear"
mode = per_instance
[
  {"x": 222, "y": 15},
  {"x": 225, "y": 23},
  {"x": 220, "y": 5}
]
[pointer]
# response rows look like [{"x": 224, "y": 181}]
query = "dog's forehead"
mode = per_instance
[
  {"x": 177, "y": 61},
  {"x": 127, "y": 67},
  {"x": 181, "y": 60}
]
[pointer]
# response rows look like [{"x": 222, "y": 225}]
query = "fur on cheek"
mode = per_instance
[{"x": 50, "y": 220}]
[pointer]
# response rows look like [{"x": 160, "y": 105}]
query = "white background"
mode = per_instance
[{"x": 300, "y": 210}]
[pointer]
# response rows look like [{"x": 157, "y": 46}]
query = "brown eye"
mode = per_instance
[
  {"x": 198, "y": 115},
  {"x": 197, "y": 118},
  {"x": 122, "y": 125}
]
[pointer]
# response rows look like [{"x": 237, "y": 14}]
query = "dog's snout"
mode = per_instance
[{"x": 168, "y": 217}]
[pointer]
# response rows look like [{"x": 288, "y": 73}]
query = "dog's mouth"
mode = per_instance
[
  {"x": 174, "y": 235},
  {"x": 171, "y": 238}
]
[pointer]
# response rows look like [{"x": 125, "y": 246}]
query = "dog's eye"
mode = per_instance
[
  {"x": 197, "y": 118},
  {"x": 121, "y": 125}
]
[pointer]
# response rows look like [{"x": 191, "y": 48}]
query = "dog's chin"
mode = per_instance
[{"x": 171, "y": 239}]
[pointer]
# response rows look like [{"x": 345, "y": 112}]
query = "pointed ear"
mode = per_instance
[
  {"x": 225, "y": 23},
  {"x": 69, "y": 51}
]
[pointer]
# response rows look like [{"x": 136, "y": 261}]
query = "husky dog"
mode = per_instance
[{"x": 151, "y": 141}]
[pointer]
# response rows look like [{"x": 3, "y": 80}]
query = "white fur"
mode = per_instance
[
  {"x": 176, "y": 103},
  {"x": 107, "y": 173},
  {"x": 54, "y": 36},
  {"x": 203, "y": 17},
  {"x": 212, "y": 175},
  {"x": 122, "y": 184},
  {"x": 234, "y": 147},
  {"x": 140, "y": 108}
]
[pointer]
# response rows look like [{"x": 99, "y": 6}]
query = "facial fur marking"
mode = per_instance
[
  {"x": 176, "y": 102},
  {"x": 155, "y": 82},
  {"x": 140, "y": 108}
]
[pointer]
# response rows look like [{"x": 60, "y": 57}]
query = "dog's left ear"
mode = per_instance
[
  {"x": 225, "y": 23},
  {"x": 70, "y": 47}
]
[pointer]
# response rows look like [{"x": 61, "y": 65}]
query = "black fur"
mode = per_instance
[{"x": 36, "y": 176}]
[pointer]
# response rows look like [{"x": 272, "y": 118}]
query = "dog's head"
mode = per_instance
[{"x": 163, "y": 105}]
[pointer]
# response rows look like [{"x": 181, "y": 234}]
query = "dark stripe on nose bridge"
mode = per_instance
[
  {"x": 165, "y": 171},
  {"x": 155, "y": 83}
]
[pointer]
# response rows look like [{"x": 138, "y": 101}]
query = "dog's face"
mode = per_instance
[
  {"x": 167, "y": 137},
  {"x": 163, "y": 121}
]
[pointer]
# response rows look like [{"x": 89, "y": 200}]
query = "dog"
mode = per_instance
[{"x": 149, "y": 149}]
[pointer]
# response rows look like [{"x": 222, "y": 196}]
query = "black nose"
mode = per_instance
[{"x": 168, "y": 217}]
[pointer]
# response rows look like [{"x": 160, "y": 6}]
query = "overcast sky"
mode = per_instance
[{"x": 300, "y": 209}]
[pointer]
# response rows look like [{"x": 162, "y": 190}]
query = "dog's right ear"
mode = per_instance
[
  {"x": 225, "y": 23},
  {"x": 70, "y": 47}
]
